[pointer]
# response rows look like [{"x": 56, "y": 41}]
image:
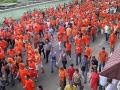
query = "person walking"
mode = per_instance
[
  {"x": 68, "y": 49},
  {"x": 78, "y": 54},
  {"x": 77, "y": 79},
  {"x": 103, "y": 57},
  {"x": 94, "y": 79},
  {"x": 41, "y": 48},
  {"x": 109, "y": 85},
  {"x": 94, "y": 62},
  {"x": 107, "y": 30},
  {"x": 63, "y": 58},
  {"x": 62, "y": 78},
  {"x": 84, "y": 67},
  {"x": 48, "y": 47},
  {"x": 88, "y": 51},
  {"x": 53, "y": 58},
  {"x": 102, "y": 82},
  {"x": 70, "y": 71},
  {"x": 29, "y": 83}
]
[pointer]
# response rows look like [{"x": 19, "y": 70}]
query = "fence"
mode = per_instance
[{"x": 17, "y": 12}]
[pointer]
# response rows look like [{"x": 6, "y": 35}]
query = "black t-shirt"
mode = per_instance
[
  {"x": 41, "y": 44},
  {"x": 95, "y": 62}
]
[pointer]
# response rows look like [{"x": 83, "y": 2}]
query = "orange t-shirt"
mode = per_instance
[
  {"x": 29, "y": 84},
  {"x": 78, "y": 49},
  {"x": 103, "y": 55},
  {"x": 112, "y": 39},
  {"x": 78, "y": 41},
  {"x": 62, "y": 74},
  {"x": 23, "y": 73},
  {"x": 68, "y": 46},
  {"x": 88, "y": 51}
]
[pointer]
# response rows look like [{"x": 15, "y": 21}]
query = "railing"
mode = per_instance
[{"x": 17, "y": 12}]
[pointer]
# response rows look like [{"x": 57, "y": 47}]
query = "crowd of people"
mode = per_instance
[{"x": 27, "y": 43}]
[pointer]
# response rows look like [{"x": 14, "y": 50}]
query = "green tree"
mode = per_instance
[{"x": 8, "y": 1}]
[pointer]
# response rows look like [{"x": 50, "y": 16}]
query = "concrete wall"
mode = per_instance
[{"x": 18, "y": 11}]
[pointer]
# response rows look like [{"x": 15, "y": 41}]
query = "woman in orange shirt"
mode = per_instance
[
  {"x": 62, "y": 77},
  {"x": 112, "y": 41}
]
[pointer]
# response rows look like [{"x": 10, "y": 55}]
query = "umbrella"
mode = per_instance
[{"x": 112, "y": 67}]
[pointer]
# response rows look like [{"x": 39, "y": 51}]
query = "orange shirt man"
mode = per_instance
[
  {"x": 88, "y": 51},
  {"x": 78, "y": 49},
  {"x": 103, "y": 55},
  {"x": 68, "y": 46},
  {"x": 29, "y": 84},
  {"x": 78, "y": 41}
]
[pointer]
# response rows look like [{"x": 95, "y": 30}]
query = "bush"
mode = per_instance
[{"x": 8, "y": 1}]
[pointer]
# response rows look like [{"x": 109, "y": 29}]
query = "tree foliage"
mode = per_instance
[{"x": 8, "y": 1}]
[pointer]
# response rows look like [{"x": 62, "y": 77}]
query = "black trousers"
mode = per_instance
[
  {"x": 64, "y": 63},
  {"x": 41, "y": 33},
  {"x": 106, "y": 36},
  {"x": 2, "y": 88},
  {"x": 47, "y": 55},
  {"x": 93, "y": 37},
  {"x": 42, "y": 51}
]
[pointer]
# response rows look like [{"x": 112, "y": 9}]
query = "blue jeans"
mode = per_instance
[
  {"x": 102, "y": 64},
  {"x": 78, "y": 58},
  {"x": 53, "y": 65},
  {"x": 85, "y": 76},
  {"x": 12, "y": 80}
]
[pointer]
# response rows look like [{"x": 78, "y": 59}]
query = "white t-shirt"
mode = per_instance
[
  {"x": 114, "y": 82},
  {"x": 103, "y": 80},
  {"x": 109, "y": 87},
  {"x": 106, "y": 28},
  {"x": 118, "y": 85}
]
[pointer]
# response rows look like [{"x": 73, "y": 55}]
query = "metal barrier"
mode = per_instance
[{"x": 17, "y": 12}]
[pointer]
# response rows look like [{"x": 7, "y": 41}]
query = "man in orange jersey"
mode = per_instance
[
  {"x": 78, "y": 54},
  {"x": 103, "y": 57},
  {"x": 68, "y": 49},
  {"x": 29, "y": 83},
  {"x": 88, "y": 51},
  {"x": 78, "y": 40}
]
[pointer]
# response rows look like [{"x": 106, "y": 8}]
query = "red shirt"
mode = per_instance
[
  {"x": 68, "y": 46},
  {"x": 70, "y": 72},
  {"x": 78, "y": 49}
]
